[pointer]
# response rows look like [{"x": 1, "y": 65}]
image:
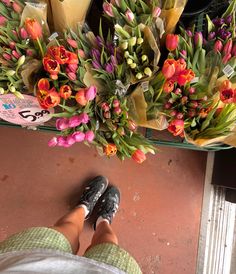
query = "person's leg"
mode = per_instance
[{"x": 71, "y": 225}]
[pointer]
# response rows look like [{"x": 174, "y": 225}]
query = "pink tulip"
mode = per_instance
[
  {"x": 156, "y": 12},
  {"x": 53, "y": 142},
  {"x": 62, "y": 123},
  {"x": 70, "y": 140},
  {"x": 61, "y": 141},
  {"x": 16, "y": 7},
  {"x": 226, "y": 58},
  {"x": 89, "y": 136},
  {"x": 168, "y": 68},
  {"x": 71, "y": 76},
  {"x": 117, "y": 110},
  {"x": 7, "y": 2},
  {"x": 172, "y": 41},
  {"x": 74, "y": 121},
  {"x": 228, "y": 47},
  {"x": 23, "y": 33},
  {"x": 84, "y": 118},
  {"x": 72, "y": 68},
  {"x": 29, "y": 52},
  {"x": 108, "y": 9},
  {"x": 91, "y": 93},
  {"x": 12, "y": 45},
  {"x": 176, "y": 127},
  {"x": 15, "y": 54},
  {"x": 6, "y": 56},
  {"x": 2, "y": 20},
  {"x": 78, "y": 136},
  {"x": 116, "y": 103},
  {"x": 198, "y": 39},
  {"x": 81, "y": 53},
  {"x": 129, "y": 15},
  {"x": 233, "y": 52},
  {"x": 218, "y": 46},
  {"x": 72, "y": 43}
]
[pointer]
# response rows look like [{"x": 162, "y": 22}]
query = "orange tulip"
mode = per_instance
[
  {"x": 65, "y": 92},
  {"x": 185, "y": 76},
  {"x": 138, "y": 156},
  {"x": 169, "y": 86},
  {"x": 43, "y": 84},
  {"x": 168, "y": 68},
  {"x": 52, "y": 99},
  {"x": 80, "y": 97},
  {"x": 172, "y": 41},
  {"x": 33, "y": 28},
  {"x": 52, "y": 67},
  {"x": 110, "y": 149},
  {"x": 180, "y": 65},
  {"x": 226, "y": 84},
  {"x": 176, "y": 127},
  {"x": 59, "y": 54},
  {"x": 72, "y": 58}
]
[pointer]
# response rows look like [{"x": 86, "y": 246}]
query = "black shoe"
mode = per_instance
[
  {"x": 108, "y": 204},
  {"x": 92, "y": 192}
]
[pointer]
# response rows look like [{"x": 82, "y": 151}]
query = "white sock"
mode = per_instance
[
  {"x": 86, "y": 211},
  {"x": 100, "y": 220}
]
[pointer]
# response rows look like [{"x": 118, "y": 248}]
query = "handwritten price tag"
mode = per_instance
[{"x": 25, "y": 112}]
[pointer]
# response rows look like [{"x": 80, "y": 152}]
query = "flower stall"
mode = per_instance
[{"x": 139, "y": 74}]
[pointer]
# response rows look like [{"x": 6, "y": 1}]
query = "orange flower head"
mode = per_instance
[
  {"x": 185, "y": 76},
  {"x": 139, "y": 156},
  {"x": 65, "y": 92},
  {"x": 180, "y": 65},
  {"x": 110, "y": 149},
  {"x": 80, "y": 97},
  {"x": 52, "y": 99},
  {"x": 168, "y": 68},
  {"x": 169, "y": 86},
  {"x": 176, "y": 127},
  {"x": 226, "y": 84},
  {"x": 59, "y": 54},
  {"x": 172, "y": 41},
  {"x": 33, "y": 28},
  {"x": 52, "y": 67},
  {"x": 72, "y": 58},
  {"x": 43, "y": 84}
]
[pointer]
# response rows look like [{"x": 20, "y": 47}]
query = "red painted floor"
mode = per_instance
[{"x": 159, "y": 216}]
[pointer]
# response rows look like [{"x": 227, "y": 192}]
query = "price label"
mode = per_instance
[{"x": 25, "y": 112}]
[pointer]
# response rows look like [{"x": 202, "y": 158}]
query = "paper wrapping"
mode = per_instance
[
  {"x": 138, "y": 111},
  {"x": 68, "y": 13},
  {"x": 229, "y": 140}
]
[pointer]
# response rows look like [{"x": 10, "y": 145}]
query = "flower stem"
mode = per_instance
[{"x": 40, "y": 47}]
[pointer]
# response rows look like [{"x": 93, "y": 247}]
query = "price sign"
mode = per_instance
[{"x": 25, "y": 112}]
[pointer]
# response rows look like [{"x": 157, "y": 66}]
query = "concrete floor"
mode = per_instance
[{"x": 159, "y": 216}]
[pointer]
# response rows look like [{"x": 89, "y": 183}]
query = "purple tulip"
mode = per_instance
[
  {"x": 189, "y": 33},
  {"x": 96, "y": 54},
  {"x": 53, "y": 142},
  {"x": 96, "y": 65},
  {"x": 99, "y": 41},
  {"x": 113, "y": 60},
  {"x": 109, "y": 68},
  {"x": 211, "y": 35},
  {"x": 218, "y": 21},
  {"x": 228, "y": 19},
  {"x": 89, "y": 136},
  {"x": 91, "y": 93},
  {"x": 62, "y": 123},
  {"x": 78, "y": 136}
]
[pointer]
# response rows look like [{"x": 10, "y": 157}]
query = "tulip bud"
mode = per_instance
[
  {"x": 218, "y": 46},
  {"x": 233, "y": 52},
  {"x": 226, "y": 58},
  {"x": 139, "y": 76},
  {"x": 3, "y": 20},
  {"x": 53, "y": 142},
  {"x": 132, "y": 125},
  {"x": 168, "y": 68},
  {"x": 10, "y": 72},
  {"x": 167, "y": 105},
  {"x": 105, "y": 107},
  {"x": 71, "y": 76},
  {"x": 179, "y": 116},
  {"x": 12, "y": 89},
  {"x": 107, "y": 7},
  {"x": 156, "y": 12},
  {"x": 91, "y": 93},
  {"x": 117, "y": 110},
  {"x": 78, "y": 136},
  {"x": 140, "y": 41},
  {"x": 129, "y": 15},
  {"x": 89, "y": 136},
  {"x": 80, "y": 97},
  {"x": 33, "y": 28},
  {"x": 189, "y": 33},
  {"x": 15, "y": 54},
  {"x": 7, "y": 56},
  {"x": 198, "y": 39},
  {"x": 16, "y": 7},
  {"x": 178, "y": 91},
  {"x": 2, "y": 91},
  {"x": 121, "y": 131},
  {"x": 133, "y": 65},
  {"x": 148, "y": 72},
  {"x": 132, "y": 41},
  {"x": 126, "y": 54},
  {"x": 107, "y": 115},
  {"x": 144, "y": 58},
  {"x": 193, "y": 104},
  {"x": 173, "y": 113},
  {"x": 23, "y": 34},
  {"x": 70, "y": 140},
  {"x": 172, "y": 41},
  {"x": 72, "y": 43},
  {"x": 12, "y": 45},
  {"x": 129, "y": 61},
  {"x": 62, "y": 123},
  {"x": 192, "y": 90},
  {"x": 116, "y": 103},
  {"x": 228, "y": 47},
  {"x": 21, "y": 60},
  {"x": 138, "y": 156},
  {"x": 184, "y": 100},
  {"x": 211, "y": 35},
  {"x": 192, "y": 113},
  {"x": 124, "y": 45},
  {"x": 183, "y": 53}
]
